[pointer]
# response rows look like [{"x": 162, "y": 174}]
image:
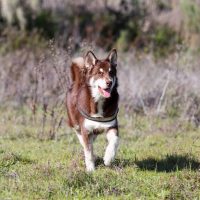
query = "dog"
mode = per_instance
[{"x": 92, "y": 104}]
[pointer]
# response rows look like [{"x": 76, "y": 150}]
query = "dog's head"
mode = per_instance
[{"x": 101, "y": 74}]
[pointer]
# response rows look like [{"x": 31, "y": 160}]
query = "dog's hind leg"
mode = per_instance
[
  {"x": 87, "y": 143},
  {"x": 113, "y": 141}
]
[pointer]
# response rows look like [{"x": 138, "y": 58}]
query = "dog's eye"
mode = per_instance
[
  {"x": 111, "y": 73},
  {"x": 100, "y": 72}
]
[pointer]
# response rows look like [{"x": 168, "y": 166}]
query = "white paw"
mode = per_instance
[
  {"x": 90, "y": 167},
  {"x": 107, "y": 162}
]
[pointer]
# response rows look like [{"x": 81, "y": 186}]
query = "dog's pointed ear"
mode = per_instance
[
  {"x": 90, "y": 59},
  {"x": 112, "y": 57}
]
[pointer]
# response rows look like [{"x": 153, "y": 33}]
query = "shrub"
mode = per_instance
[
  {"x": 164, "y": 40},
  {"x": 191, "y": 11}
]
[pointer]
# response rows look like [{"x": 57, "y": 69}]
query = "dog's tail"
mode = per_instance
[{"x": 77, "y": 71}]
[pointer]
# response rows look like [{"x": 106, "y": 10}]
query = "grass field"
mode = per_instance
[{"x": 158, "y": 158}]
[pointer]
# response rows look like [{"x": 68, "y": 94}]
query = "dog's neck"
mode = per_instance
[{"x": 98, "y": 102}]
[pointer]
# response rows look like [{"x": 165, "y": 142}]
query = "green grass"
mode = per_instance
[{"x": 157, "y": 159}]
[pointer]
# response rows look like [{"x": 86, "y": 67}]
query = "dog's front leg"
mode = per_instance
[
  {"x": 86, "y": 141},
  {"x": 113, "y": 141}
]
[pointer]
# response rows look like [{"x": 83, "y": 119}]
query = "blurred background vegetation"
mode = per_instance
[
  {"x": 155, "y": 26},
  {"x": 158, "y": 43}
]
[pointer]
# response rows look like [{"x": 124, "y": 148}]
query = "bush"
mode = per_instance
[
  {"x": 164, "y": 40},
  {"x": 191, "y": 11}
]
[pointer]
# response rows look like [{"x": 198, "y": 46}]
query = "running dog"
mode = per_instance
[{"x": 92, "y": 103}]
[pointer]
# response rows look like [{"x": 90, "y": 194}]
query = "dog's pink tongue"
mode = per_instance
[{"x": 106, "y": 93}]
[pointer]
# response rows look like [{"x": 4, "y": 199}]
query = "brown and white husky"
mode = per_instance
[{"x": 92, "y": 103}]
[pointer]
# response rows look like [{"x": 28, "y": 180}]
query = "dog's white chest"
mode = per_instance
[{"x": 92, "y": 125}]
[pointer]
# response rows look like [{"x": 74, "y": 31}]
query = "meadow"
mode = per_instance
[
  {"x": 159, "y": 119},
  {"x": 158, "y": 158}
]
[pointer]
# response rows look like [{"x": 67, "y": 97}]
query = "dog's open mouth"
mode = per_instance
[{"x": 105, "y": 92}]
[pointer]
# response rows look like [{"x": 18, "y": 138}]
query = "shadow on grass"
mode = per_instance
[
  {"x": 120, "y": 163},
  {"x": 170, "y": 163},
  {"x": 99, "y": 161}
]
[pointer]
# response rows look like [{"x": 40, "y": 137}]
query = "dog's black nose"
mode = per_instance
[{"x": 108, "y": 83}]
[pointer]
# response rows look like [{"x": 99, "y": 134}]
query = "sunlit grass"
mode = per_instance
[{"x": 156, "y": 160}]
